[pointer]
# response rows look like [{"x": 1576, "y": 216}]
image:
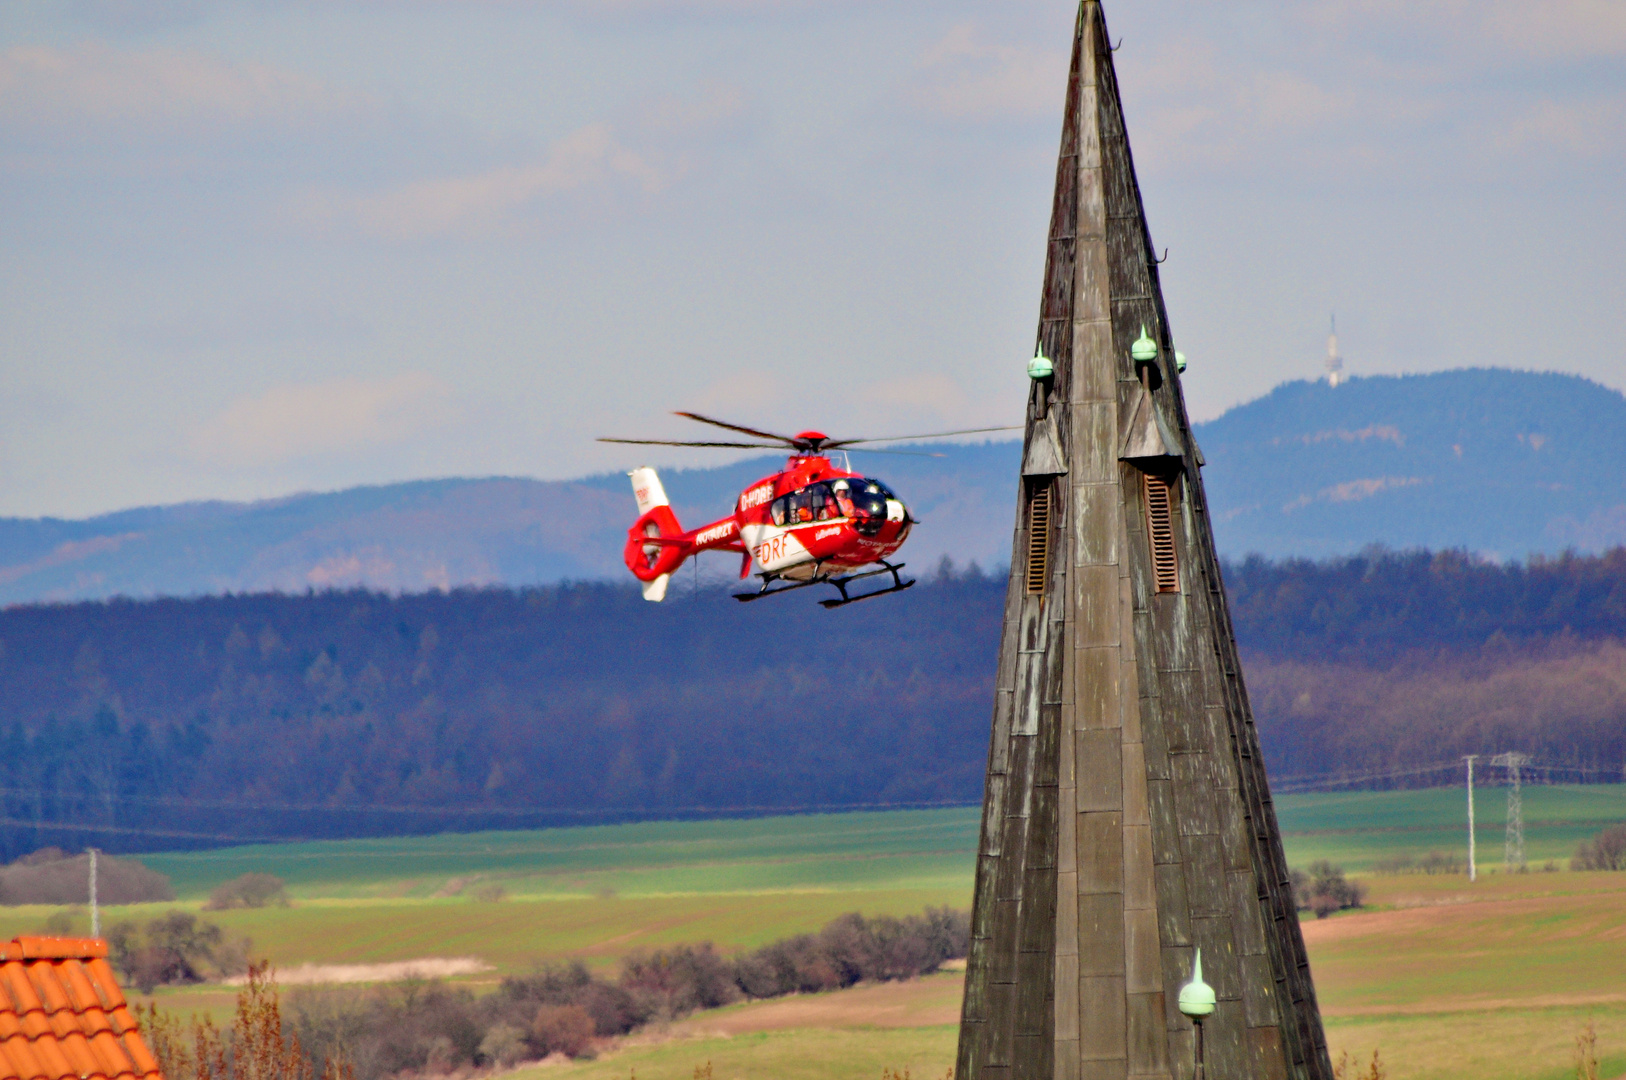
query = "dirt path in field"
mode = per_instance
[
  {"x": 433, "y": 967},
  {"x": 1476, "y": 1004},
  {"x": 925, "y": 1002},
  {"x": 1436, "y": 917},
  {"x": 1368, "y": 924}
]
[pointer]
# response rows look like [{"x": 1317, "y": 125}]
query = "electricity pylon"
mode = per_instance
[{"x": 1513, "y": 846}]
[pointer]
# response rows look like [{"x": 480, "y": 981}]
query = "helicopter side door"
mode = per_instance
[{"x": 795, "y": 519}]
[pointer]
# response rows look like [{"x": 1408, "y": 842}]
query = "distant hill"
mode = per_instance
[
  {"x": 1502, "y": 463},
  {"x": 432, "y": 534}
]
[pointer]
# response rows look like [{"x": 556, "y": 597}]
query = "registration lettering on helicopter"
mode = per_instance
[
  {"x": 717, "y": 532},
  {"x": 756, "y": 496}
]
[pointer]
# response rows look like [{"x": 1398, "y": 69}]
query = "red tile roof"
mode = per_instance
[{"x": 62, "y": 1016}]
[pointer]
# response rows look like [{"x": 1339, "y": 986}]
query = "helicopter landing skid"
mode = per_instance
[
  {"x": 898, "y": 585},
  {"x": 841, "y": 583}
]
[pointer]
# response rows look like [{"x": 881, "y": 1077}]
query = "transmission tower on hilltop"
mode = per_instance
[
  {"x": 1335, "y": 362},
  {"x": 1513, "y": 847}
]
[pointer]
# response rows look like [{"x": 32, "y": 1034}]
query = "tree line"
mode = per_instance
[
  {"x": 173, "y": 723},
  {"x": 418, "y": 1027}
]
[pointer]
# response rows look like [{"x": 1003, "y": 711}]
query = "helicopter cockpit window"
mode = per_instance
[
  {"x": 816, "y": 502},
  {"x": 864, "y": 501}
]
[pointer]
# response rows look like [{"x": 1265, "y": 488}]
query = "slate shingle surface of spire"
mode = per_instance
[{"x": 1126, "y": 820}]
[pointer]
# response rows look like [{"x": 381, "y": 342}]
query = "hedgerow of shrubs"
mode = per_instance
[
  {"x": 431, "y": 1028},
  {"x": 1435, "y": 862},
  {"x": 248, "y": 891}
]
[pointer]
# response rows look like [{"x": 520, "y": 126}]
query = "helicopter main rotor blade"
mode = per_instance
[
  {"x": 909, "y": 438},
  {"x": 668, "y": 442},
  {"x": 786, "y": 439},
  {"x": 900, "y": 453}
]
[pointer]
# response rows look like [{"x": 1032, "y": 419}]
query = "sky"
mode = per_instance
[{"x": 251, "y": 248}]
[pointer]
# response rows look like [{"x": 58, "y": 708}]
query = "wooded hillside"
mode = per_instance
[{"x": 170, "y": 723}]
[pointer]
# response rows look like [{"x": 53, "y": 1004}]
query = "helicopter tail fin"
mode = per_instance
[{"x": 653, "y": 549}]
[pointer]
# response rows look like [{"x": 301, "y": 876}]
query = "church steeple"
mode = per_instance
[{"x": 1127, "y": 820}]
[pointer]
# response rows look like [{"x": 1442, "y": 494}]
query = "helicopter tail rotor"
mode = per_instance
[{"x": 655, "y": 547}]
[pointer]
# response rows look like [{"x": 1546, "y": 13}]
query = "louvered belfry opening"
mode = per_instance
[
  {"x": 1160, "y": 526},
  {"x": 1038, "y": 564}
]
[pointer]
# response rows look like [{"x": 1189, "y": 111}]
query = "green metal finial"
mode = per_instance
[
  {"x": 1180, "y": 361},
  {"x": 1040, "y": 366},
  {"x": 1197, "y": 997},
  {"x": 1144, "y": 350}
]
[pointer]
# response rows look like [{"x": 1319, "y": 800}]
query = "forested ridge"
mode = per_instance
[{"x": 167, "y": 723}]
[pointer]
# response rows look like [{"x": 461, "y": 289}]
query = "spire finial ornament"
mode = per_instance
[
  {"x": 1197, "y": 998},
  {"x": 1144, "y": 350}
]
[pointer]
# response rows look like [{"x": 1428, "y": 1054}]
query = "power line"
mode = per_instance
[
  {"x": 467, "y": 811},
  {"x": 1311, "y": 782},
  {"x": 1306, "y": 782},
  {"x": 604, "y": 812}
]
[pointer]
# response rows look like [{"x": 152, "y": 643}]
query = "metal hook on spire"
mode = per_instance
[
  {"x": 1115, "y": 48},
  {"x": 1163, "y": 260}
]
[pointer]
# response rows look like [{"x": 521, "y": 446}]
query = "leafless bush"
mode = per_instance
[
  {"x": 174, "y": 948},
  {"x": 1345, "y": 1069},
  {"x": 503, "y": 1045},
  {"x": 1586, "y": 1053},
  {"x": 257, "y": 1047},
  {"x": 248, "y": 891},
  {"x": 1324, "y": 889},
  {"x": 561, "y": 1029},
  {"x": 681, "y": 979},
  {"x": 1606, "y": 851},
  {"x": 52, "y": 876}
]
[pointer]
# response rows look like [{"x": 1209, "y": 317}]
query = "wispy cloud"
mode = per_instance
[
  {"x": 965, "y": 76},
  {"x": 1579, "y": 129},
  {"x": 481, "y": 203},
  {"x": 1355, "y": 490},
  {"x": 44, "y": 86},
  {"x": 1381, "y": 88},
  {"x": 308, "y": 420},
  {"x": 1534, "y": 30}
]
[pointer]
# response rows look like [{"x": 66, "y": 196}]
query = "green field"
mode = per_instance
[
  {"x": 1356, "y": 829},
  {"x": 912, "y": 850},
  {"x": 1445, "y": 979},
  {"x": 907, "y": 849}
]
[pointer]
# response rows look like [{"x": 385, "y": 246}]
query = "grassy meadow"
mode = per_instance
[
  {"x": 1444, "y": 979},
  {"x": 1358, "y": 829}
]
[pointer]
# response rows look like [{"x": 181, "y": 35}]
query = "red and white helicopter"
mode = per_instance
[{"x": 809, "y": 524}]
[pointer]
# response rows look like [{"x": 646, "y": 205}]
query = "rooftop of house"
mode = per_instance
[{"x": 63, "y": 1017}]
